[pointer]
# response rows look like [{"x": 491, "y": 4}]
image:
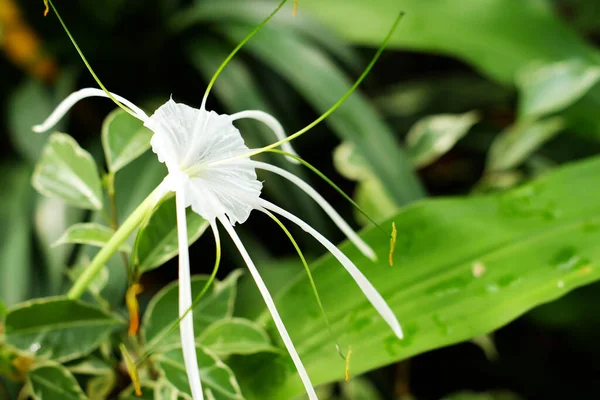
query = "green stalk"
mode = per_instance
[{"x": 131, "y": 223}]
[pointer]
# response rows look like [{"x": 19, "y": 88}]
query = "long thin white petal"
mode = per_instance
[
  {"x": 272, "y": 309},
  {"x": 363, "y": 283},
  {"x": 329, "y": 210},
  {"x": 272, "y": 123},
  {"x": 73, "y": 98},
  {"x": 186, "y": 327}
]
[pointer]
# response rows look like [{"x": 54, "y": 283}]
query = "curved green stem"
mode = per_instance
[
  {"x": 85, "y": 61},
  {"x": 131, "y": 223}
]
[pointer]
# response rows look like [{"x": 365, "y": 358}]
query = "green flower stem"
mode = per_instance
[{"x": 130, "y": 224}]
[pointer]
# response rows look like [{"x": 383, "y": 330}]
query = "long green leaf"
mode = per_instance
[
  {"x": 499, "y": 37},
  {"x": 313, "y": 75},
  {"x": 463, "y": 267}
]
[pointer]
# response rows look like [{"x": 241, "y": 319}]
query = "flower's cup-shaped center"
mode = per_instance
[{"x": 188, "y": 140}]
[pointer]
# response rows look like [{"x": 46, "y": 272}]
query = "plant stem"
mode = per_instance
[{"x": 130, "y": 224}]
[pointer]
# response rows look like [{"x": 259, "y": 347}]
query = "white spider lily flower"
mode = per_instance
[{"x": 207, "y": 170}]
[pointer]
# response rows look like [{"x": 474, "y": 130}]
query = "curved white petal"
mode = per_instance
[
  {"x": 187, "y": 140},
  {"x": 335, "y": 217},
  {"x": 74, "y": 97},
  {"x": 186, "y": 327},
  {"x": 272, "y": 309},
  {"x": 363, "y": 283},
  {"x": 272, "y": 123}
]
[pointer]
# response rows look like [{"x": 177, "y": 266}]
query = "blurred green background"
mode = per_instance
[{"x": 471, "y": 97}]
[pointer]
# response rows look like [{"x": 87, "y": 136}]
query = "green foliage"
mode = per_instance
[
  {"x": 156, "y": 241},
  {"x": 434, "y": 136},
  {"x": 89, "y": 233},
  {"x": 235, "y": 336},
  {"x": 54, "y": 382},
  {"x": 471, "y": 30},
  {"x": 58, "y": 328},
  {"x": 162, "y": 312},
  {"x": 459, "y": 264},
  {"x": 464, "y": 266},
  {"x": 218, "y": 380},
  {"x": 68, "y": 172},
  {"x": 124, "y": 139}
]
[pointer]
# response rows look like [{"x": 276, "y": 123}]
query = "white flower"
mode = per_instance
[{"x": 209, "y": 171}]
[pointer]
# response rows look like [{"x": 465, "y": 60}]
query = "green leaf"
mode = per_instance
[
  {"x": 471, "y": 30},
  {"x": 124, "y": 139},
  {"x": 58, "y": 328},
  {"x": 53, "y": 382},
  {"x": 156, "y": 241},
  {"x": 253, "y": 13},
  {"x": 433, "y": 136},
  {"x": 217, "y": 378},
  {"x": 463, "y": 268},
  {"x": 322, "y": 84},
  {"x": 15, "y": 234},
  {"x": 548, "y": 88},
  {"x": 517, "y": 143},
  {"x": 89, "y": 233},
  {"x": 235, "y": 336},
  {"x": 3, "y": 310},
  {"x": 68, "y": 172},
  {"x": 162, "y": 311}
]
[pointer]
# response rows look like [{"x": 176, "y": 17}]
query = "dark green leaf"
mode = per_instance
[
  {"x": 57, "y": 327},
  {"x": 162, "y": 312},
  {"x": 54, "y": 382},
  {"x": 216, "y": 377},
  {"x": 15, "y": 234},
  {"x": 124, "y": 139},
  {"x": 68, "y": 172},
  {"x": 156, "y": 241}
]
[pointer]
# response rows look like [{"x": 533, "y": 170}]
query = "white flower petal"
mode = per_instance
[
  {"x": 272, "y": 123},
  {"x": 272, "y": 309},
  {"x": 363, "y": 283},
  {"x": 74, "y": 97},
  {"x": 335, "y": 217},
  {"x": 187, "y": 140},
  {"x": 186, "y": 326}
]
